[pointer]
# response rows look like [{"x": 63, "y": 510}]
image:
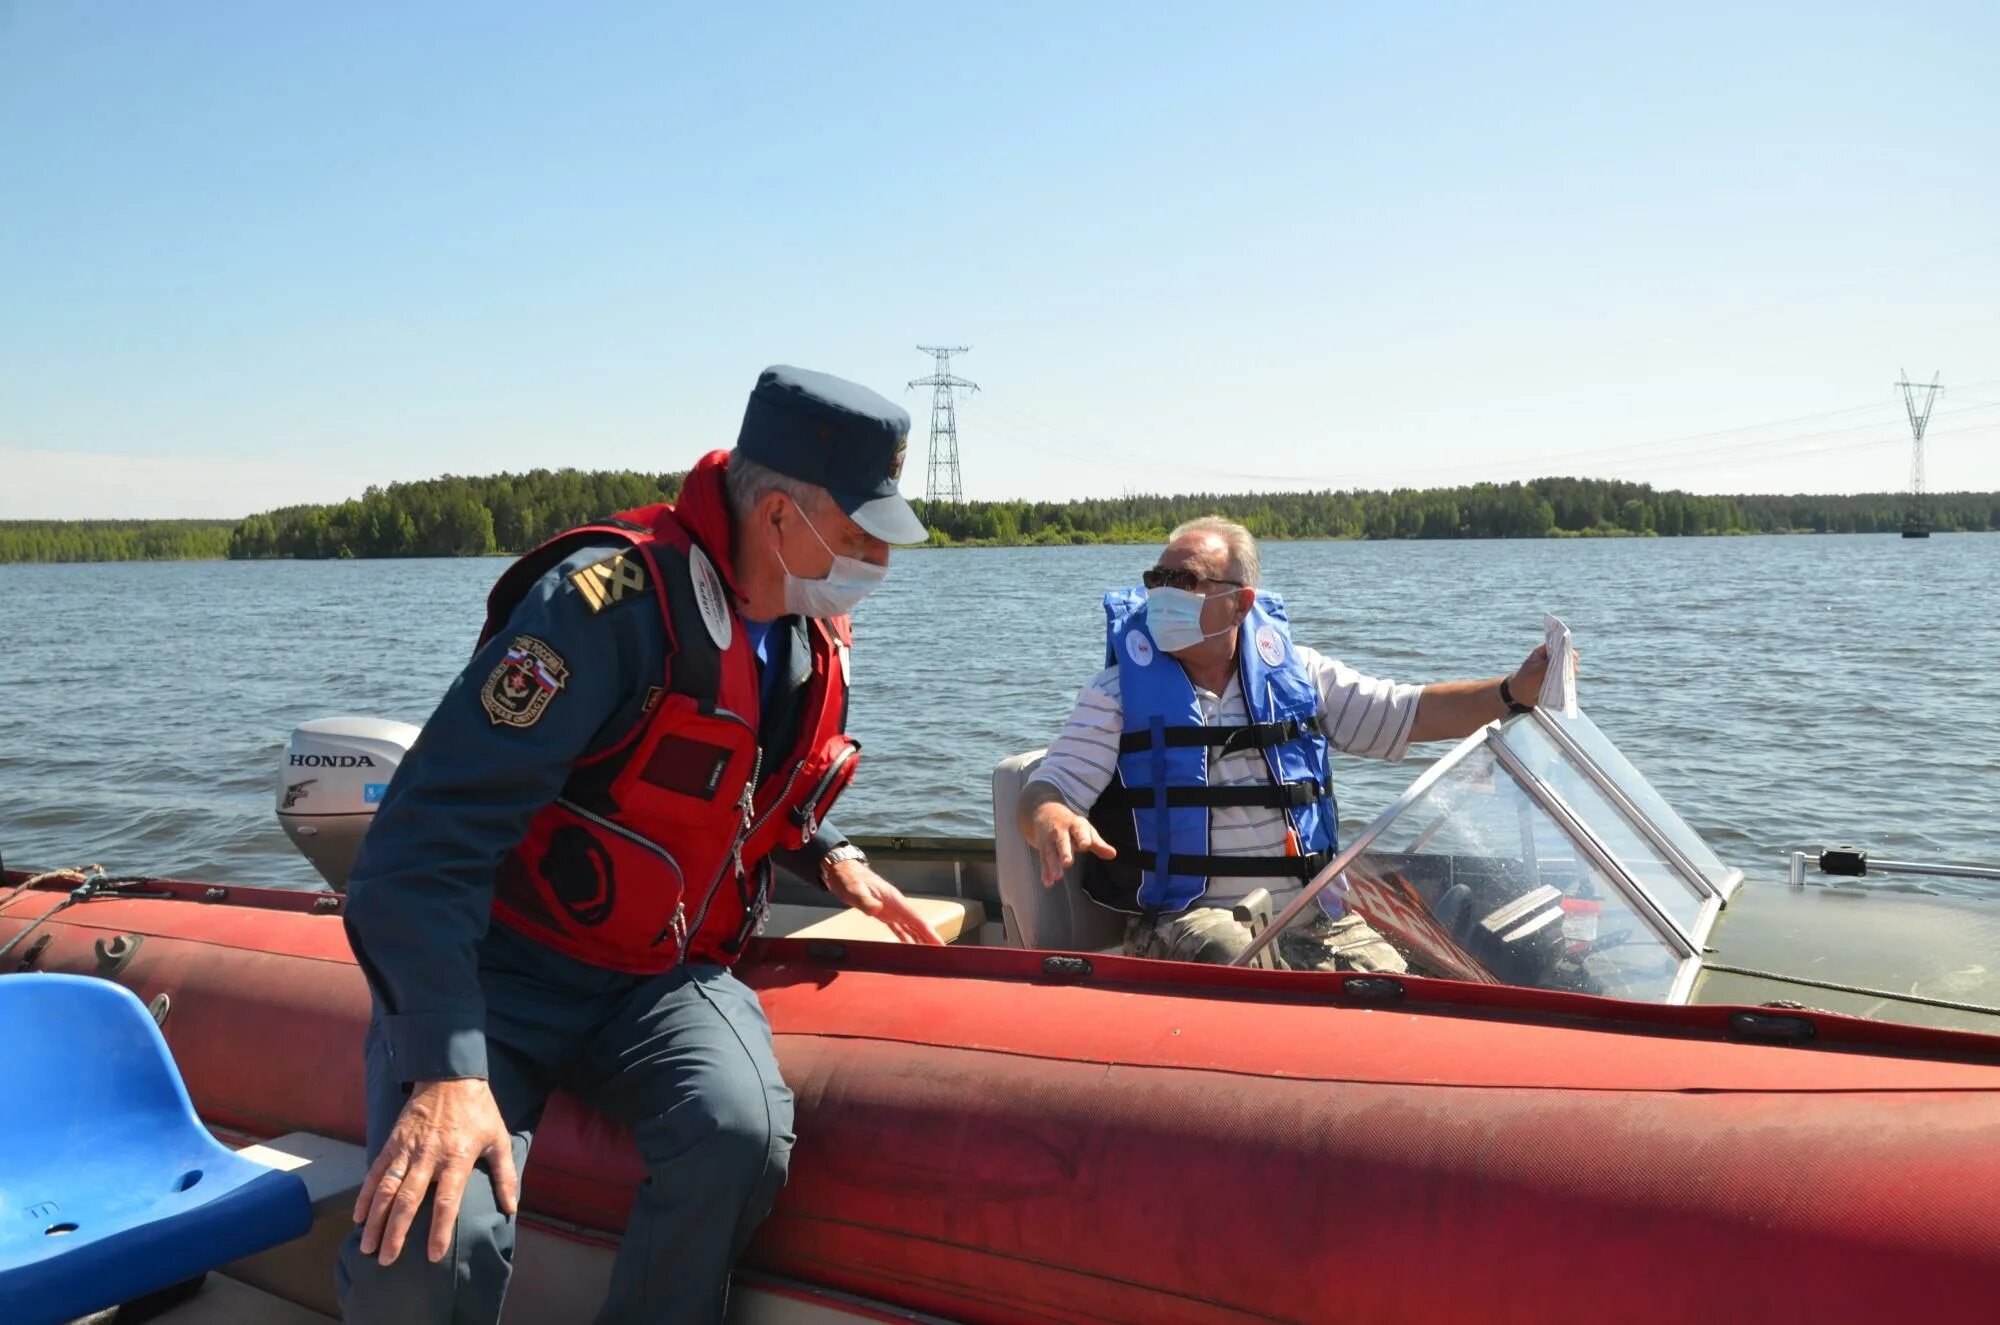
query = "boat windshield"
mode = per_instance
[
  {"x": 1589, "y": 740},
  {"x": 1518, "y": 859}
]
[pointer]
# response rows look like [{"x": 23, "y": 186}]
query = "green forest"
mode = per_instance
[
  {"x": 113, "y": 540},
  {"x": 453, "y": 516},
  {"x": 1545, "y": 508},
  {"x": 450, "y": 516}
]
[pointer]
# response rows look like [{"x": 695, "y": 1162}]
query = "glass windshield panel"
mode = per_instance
[
  {"x": 1670, "y": 890},
  {"x": 1613, "y": 764},
  {"x": 1473, "y": 880}
]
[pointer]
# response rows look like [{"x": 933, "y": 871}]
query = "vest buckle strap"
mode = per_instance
[
  {"x": 1243, "y": 867},
  {"x": 1281, "y": 796},
  {"x": 1244, "y": 736}
]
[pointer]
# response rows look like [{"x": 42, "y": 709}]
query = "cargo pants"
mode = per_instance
[
  {"x": 1313, "y": 942},
  {"x": 685, "y": 1059}
]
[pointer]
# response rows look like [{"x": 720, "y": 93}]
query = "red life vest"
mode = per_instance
[{"x": 657, "y": 850}]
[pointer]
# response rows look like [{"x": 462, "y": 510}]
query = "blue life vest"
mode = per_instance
[{"x": 1156, "y": 810}]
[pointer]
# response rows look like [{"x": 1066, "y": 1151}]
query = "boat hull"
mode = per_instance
[{"x": 987, "y": 1136}]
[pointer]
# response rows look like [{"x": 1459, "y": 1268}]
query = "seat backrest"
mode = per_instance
[
  {"x": 1061, "y": 918},
  {"x": 74, "y": 1047}
]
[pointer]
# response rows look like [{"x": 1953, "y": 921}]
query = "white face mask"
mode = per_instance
[
  {"x": 846, "y": 583},
  {"x": 1174, "y": 618}
]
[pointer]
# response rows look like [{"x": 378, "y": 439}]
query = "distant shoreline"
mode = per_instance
[
  {"x": 482, "y": 516},
  {"x": 988, "y": 545}
]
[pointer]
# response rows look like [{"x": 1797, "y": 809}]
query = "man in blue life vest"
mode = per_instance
[
  {"x": 580, "y": 844},
  {"x": 1209, "y": 701}
]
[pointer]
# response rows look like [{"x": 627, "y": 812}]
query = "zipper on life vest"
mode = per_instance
[
  {"x": 757, "y": 908},
  {"x": 746, "y": 806},
  {"x": 807, "y": 814}
]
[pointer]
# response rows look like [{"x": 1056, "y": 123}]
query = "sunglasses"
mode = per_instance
[{"x": 1159, "y": 577}]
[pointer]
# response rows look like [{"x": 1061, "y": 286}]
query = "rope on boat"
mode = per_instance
[
  {"x": 1839, "y": 988},
  {"x": 91, "y": 882},
  {"x": 75, "y": 876}
]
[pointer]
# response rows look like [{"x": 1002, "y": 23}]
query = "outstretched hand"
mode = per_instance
[
  {"x": 1060, "y": 837},
  {"x": 872, "y": 895},
  {"x": 1526, "y": 682},
  {"x": 444, "y": 1129}
]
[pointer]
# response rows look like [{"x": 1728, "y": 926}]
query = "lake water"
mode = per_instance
[{"x": 1781, "y": 692}]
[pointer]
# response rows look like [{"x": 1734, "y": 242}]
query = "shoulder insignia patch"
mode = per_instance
[
  {"x": 520, "y": 687},
  {"x": 612, "y": 580}
]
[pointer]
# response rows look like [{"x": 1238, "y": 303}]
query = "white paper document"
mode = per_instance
[{"x": 1559, "y": 686}]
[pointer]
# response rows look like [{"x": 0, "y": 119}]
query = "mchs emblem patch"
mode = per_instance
[{"x": 519, "y": 689}]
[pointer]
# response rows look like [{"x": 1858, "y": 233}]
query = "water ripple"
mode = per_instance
[{"x": 1782, "y": 692}]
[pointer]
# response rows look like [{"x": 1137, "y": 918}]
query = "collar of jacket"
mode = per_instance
[{"x": 703, "y": 510}]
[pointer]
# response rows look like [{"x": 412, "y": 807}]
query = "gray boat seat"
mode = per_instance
[{"x": 1059, "y": 919}]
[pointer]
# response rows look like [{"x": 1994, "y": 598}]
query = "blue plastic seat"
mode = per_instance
[{"x": 110, "y": 1187}]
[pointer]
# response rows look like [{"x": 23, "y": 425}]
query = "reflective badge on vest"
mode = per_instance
[
  {"x": 709, "y": 597},
  {"x": 518, "y": 690}
]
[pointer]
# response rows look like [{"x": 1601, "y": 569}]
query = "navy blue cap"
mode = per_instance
[{"x": 836, "y": 435}]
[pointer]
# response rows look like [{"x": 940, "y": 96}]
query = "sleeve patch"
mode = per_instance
[
  {"x": 610, "y": 581},
  {"x": 521, "y": 686}
]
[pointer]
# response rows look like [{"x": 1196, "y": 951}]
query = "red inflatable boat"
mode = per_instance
[{"x": 992, "y": 1134}]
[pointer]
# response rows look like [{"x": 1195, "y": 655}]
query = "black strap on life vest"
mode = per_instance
[
  {"x": 1248, "y": 736},
  {"x": 696, "y": 662},
  {"x": 1279, "y": 796},
  {"x": 1240, "y": 867}
]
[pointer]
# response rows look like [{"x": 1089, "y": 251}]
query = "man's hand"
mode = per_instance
[
  {"x": 1060, "y": 835},
  {"x": 1526, "y": 683},
  {"x": 872, "y": 895},
  {"x": 445, "y": 1128}
]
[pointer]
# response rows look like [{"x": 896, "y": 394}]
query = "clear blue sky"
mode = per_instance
[{"x": 254, "y": 253}]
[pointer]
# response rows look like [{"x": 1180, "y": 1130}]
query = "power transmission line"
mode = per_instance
[
  {"x": 1721, "y": 446},
  {"x": 943, "y": 484},
  {"x": 1627, "y": 451},
  {"x": 1917, "y": 523}
]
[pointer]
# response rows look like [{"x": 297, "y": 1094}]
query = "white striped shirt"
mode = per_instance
[{"x": 1359, "y": 714}]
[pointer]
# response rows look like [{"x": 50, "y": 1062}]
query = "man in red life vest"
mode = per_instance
[{"x": 583, "y": 840}]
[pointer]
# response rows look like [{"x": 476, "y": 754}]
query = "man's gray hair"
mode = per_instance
[
  {"x": 748, "y": 483},
  {"x": 1244, "y": 564}
]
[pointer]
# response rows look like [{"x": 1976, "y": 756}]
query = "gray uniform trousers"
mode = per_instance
[{"x": 684, "y": 1058}]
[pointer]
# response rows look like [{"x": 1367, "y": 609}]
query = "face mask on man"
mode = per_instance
[
  {"x": 1174, "y": 618},
  {"x": 846, "y": 583}
]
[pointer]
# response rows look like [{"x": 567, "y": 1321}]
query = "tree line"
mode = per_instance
[
  {"x": 455, "y": 516},
  {"x": 113, "y": 540},
  {"x": 450, "y": 516},
  {"x": 1544, "y": 508}
]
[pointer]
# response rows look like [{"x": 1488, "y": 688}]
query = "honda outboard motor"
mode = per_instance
[{"x": 334, "y": 773}]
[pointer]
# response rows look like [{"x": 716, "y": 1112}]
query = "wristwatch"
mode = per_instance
[
  {"x": 1507, "y": 697},
  {"x": 845, "y": 851}
]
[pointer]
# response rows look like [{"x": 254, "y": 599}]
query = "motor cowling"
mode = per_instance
[{"x": 332, "y": 776}]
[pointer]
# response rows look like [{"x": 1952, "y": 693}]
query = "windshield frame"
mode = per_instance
[
  {"x": 1648, "y": 827},
  {"x": 1687, "y": 942}
]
